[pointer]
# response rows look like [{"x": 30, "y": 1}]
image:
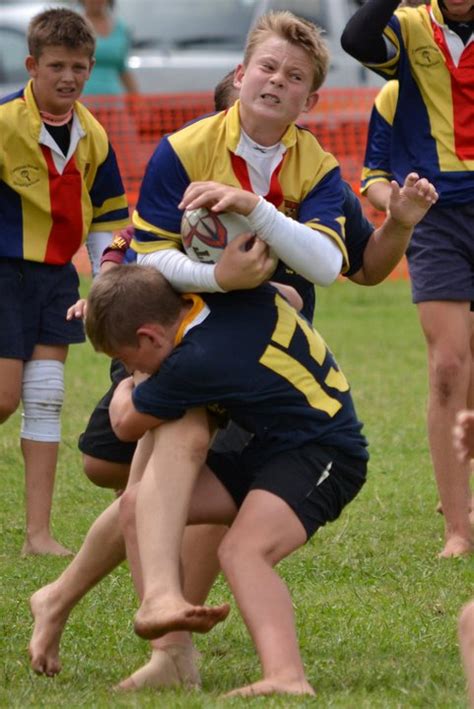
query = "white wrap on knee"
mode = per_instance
[{"x": 42, "y": 397}]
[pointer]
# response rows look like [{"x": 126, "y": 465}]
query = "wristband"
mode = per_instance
[{"x": 119, "y": 246}]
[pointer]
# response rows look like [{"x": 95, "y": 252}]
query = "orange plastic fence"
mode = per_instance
[{"x": 136, "y": 124}]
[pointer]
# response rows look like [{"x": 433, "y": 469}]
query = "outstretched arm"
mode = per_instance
[
  {"x": 362, "y": 37},
  {"x": 386, "y": 246}
]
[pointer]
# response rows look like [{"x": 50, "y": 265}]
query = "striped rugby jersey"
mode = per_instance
[{"x": 48, "y": 204}]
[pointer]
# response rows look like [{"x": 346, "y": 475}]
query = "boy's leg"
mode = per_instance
[
  {"x": 162, "y": 506},
  {"x": 446, "y": 326},
  {"x": 466, "y": 642},
  {"x": 11, "y": 375},
  {"x": 102, "y": 550},
  {"x": 265, "y": 531},
  {"x": 42, "y": 394},
  {"x": 174, "y": 660}
]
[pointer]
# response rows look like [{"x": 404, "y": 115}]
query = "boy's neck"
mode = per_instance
[{"x": 259, "y": 131}]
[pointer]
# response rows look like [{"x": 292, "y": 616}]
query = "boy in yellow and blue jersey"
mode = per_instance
[
  {"x": 430, "y": 51},
  {"x": 59, "y": 181}
]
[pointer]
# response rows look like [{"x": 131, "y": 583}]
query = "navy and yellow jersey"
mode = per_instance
[
  {"x": 358, "y": 231},
  {"x": 432, "y": 129},
  {"x": 306, "y": 186},
  {"x": 277, "y": 380},
  {"x": 378, "y": 153},
  {"x": 45, "y": 214}
]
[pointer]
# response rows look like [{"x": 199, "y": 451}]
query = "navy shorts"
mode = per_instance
[
  {"x": 316, "y": 481},
  {"x": 441, "y": 255},
  {"x": 99, "y": 440},
  {"x": 34, "y": 298}
]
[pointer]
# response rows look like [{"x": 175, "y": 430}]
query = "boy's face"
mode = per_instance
[
  {"x": 147, "y": 356},
  {"x": 59, "y": 75},
  {"x": 275, "y": 86},
  {"x": 460, "y": 10}
]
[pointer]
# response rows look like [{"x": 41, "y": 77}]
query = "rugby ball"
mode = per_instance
[{"x": 205, "y": 234}]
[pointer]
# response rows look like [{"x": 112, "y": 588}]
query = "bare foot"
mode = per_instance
[
  {"x": 156, "y": 619},
  {"x": 267, "y": 686},
  {"x": 456, "y": 546},
  {"x": 44, "y": 545},
  {"x": 172, "y": 665},
  {"x": 48, "y": 627}
]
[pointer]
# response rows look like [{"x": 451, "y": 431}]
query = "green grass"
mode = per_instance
[{"x": 376, "y": 609}]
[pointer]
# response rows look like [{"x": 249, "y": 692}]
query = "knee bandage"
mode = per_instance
[{"x": 42, "y": 397}]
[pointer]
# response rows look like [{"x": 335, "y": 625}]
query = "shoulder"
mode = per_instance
[
  {"x": 94, "y": 130},
  {"x": 201, "y": 131}
]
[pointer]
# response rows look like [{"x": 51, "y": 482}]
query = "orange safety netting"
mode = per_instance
[{"x": 135, "y": 125}]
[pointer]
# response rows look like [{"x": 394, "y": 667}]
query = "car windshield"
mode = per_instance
[{"x": 188, "y": 24}]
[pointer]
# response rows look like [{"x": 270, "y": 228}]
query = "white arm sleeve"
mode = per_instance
[
  {"x": 310, "y": 253},
  {"x": 96, "y": 242},
  {"x": 184, "y": 274}
]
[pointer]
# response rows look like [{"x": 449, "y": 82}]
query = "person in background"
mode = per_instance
[
  {"x": 110, "y": 74},
  {"x": 428, "y": 49},
  {"x": 59, "y": 185}
]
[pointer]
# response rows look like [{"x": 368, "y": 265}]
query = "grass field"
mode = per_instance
[{"x": 376, "y": 609}]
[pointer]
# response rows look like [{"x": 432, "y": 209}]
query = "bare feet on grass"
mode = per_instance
[
  {"x": 456, "y": 546},
  {"x": 156, "y": 619},
  {"x": 267, "y": 686},
  {"x": 48, "y": 627},
  {"x": 171, "y": 666},
  {"x": 44, "y": 544}
]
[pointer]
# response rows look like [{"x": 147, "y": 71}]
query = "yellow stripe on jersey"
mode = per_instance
[
  {"x": 386, "y": 100},
  {"x": 168, "y": 239}
]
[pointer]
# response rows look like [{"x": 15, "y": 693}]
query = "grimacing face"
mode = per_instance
[{"x": 59, "y": 75}]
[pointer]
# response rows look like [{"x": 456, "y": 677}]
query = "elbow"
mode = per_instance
[
  {"x": 124, "y": 429},
  {"x": 346, "y": 43},
  {"x": 329, "y": 274}
]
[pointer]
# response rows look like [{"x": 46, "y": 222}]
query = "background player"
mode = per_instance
[
  {"x": 59, "y": 181},
  {"x": 432, "y": 130}
]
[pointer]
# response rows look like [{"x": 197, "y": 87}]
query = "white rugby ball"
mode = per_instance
[{"x": 205, "y": 234}]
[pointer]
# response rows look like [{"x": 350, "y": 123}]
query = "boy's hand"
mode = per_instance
[
  {"x": 242, "y": 266},
  {"x": 78, "y": 310},
  {"x": 218, "y": 198},
  {"x": 409, "y": 204}
]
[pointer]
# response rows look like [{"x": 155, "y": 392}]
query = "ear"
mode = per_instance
[
  {"x": 238, "y": 76},
  {"x": 31, "y": 66},
  {"x": 91, "y": 64},
  {"x": 153, "y": 332},
  {"x": 311, "y": 102}
]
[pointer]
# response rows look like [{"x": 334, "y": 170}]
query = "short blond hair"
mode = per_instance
[{"x": 297, "y": 31}]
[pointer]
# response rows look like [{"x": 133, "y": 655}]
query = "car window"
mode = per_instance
[
  {"x": 12, "y": 56},
  {"x": 313, "y": 10},
  {"x": 187, "y": 23}
]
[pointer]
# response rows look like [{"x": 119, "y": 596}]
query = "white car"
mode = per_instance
[{"x": 187, "y": 45}]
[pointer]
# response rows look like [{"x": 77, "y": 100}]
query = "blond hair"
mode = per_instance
[
  {"x": 297, "y": 31},
  {"x": 124, "y": 299},
  {"x": 60, "y": 27}
]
